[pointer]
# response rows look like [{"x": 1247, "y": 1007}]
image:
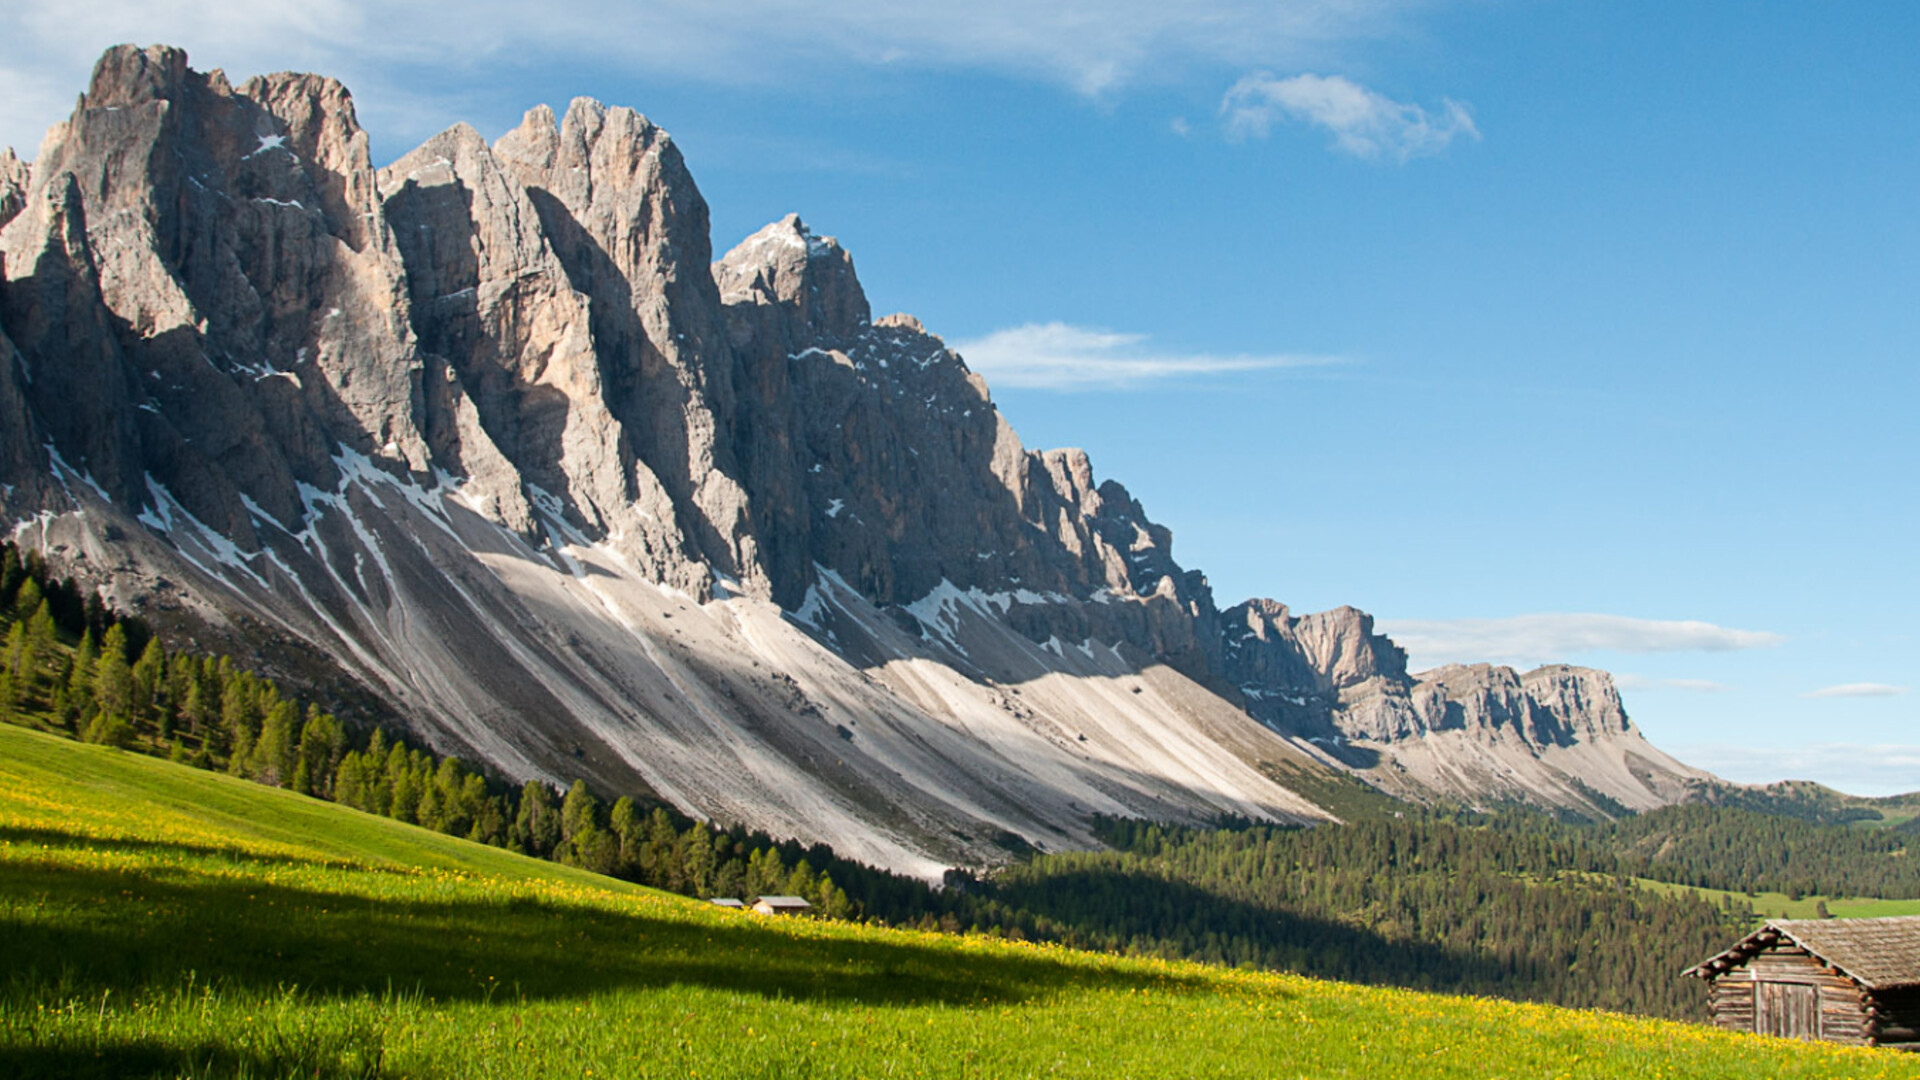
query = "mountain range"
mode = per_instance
[{"x": 488, "y": 439}]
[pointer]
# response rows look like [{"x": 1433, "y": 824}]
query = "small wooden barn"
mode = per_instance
[
  {"x": 781, "y": 905},
  {"x": 1854, "y": 981}
]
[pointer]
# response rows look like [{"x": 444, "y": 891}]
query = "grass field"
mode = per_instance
[
  {"x": 157, "y": 921},
  {"x": 1773, "y": 905}
]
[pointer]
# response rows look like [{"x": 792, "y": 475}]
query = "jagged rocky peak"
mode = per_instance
[
  {"x": 786, "y": 263},
  {"x": 1586, "y": 698},
  {"x": 237, "y": 237},
  {"x": 1322, "y": 653},
  {"x": 15, "y": 176},
  {"x": 630, "y": 229},
  {"x": 324, "y": 136},
  {"x": 127, "y": 75},
  {"x": 1342, "y": 645},
  {"x": 1555, "y": 705}
]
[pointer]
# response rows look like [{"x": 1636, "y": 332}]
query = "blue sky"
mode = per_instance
[{"x": 1543, "y": 331}]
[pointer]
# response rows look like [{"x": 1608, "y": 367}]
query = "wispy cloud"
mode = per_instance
[
  {"x": 1856, "y": 689},
  {"x": 1529, "y": 640},
  {"x": 1094, "y": 47},
  {"x": 1363, "y": 122},
  {"x": 1852, "y": 768},
  {"x": 1059, "y": 356}
]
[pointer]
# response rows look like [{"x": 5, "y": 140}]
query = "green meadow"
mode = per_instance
[
  {"x": 1777, "y": 905},
  {"x": 161, "y": 921}
]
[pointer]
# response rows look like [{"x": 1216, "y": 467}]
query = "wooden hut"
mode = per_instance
[
  {"x": 780, "y": 905},
  {"x": 1854, "y": 981}
]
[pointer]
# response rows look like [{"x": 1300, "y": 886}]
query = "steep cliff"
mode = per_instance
[{"x": 489, "y": 431}]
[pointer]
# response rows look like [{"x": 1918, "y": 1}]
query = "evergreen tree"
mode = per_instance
[
  {"x": 27, "y": 600},
  {"x": 17, "y": 673},
  {"x": 239, "y": 717},
  {"x": 196, "y": 709},
  {"x": 700, "y": 862},
  {"x": 77, "y": 696},
  {"x": 42, "y": 639},
  {"x": 272, "y": 759},
  {"x": 662, "y": 862},
  {"x": 625, "y": 820},
  {"x": 578, "y": 810},
  {"x": 537, "y": 826},
  {"x": 149, "y": 675},
  {"x": 113, "y": 690},
  {"x": 320, "y": 742}
]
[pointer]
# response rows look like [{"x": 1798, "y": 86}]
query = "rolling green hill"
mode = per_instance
[{"x": 162, "y": 921}]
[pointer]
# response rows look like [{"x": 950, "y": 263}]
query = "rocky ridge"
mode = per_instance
[{"x": 492, "y": 429}]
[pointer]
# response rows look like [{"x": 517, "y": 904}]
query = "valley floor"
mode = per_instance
[{"x": 160, "y": 921}]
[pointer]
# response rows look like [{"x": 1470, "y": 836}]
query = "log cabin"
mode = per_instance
[{"x": 1852, "y": 981}]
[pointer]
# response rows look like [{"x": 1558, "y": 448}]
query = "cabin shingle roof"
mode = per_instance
[{"x": 1879, "y": 954}]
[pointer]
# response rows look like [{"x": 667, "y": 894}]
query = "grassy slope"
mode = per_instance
[
  {"x": 161, "y": 921},
  {"x": 1782, "y": 906}
]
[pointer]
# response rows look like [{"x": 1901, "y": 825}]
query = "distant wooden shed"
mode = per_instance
[
  {"x": 781, "y": 905},
  {"x": 727, "y": 902},
  {"x": 1853, "y": 981}
]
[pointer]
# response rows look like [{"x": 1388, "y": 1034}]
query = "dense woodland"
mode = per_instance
[
  {"x": 1514, "y": 904},
  {"x": 1425, "y": 903}
]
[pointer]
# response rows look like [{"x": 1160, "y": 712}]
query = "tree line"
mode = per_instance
[
  {"x": 1421, "y": 902},
  {"x": 1729, "y": 847}
]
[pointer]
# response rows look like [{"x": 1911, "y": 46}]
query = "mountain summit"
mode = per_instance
[{"x": 489, "y": 433}]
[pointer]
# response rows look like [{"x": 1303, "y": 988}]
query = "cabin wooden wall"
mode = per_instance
[
  {"x": 1842, "y": 1007},
  {"x": 1897, "y": 1018}
]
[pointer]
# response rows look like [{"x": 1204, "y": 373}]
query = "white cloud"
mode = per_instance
[
  {"x": 1058, "y": 356},
  {"x": 1856, "y": 689},
  {"x": 1095, "y": 47},
  {"x": 1364, "y": 123},
  {"x": 1855, "y": 769},
  {"x": 1530, "y": 640}
]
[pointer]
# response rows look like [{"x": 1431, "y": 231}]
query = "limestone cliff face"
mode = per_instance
[{"x": 492, "y": 431}]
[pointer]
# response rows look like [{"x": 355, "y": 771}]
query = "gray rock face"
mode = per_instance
[
  {"x": 14, "y": 178},
  {"x": 477, "y": 425}
]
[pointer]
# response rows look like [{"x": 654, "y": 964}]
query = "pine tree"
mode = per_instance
[
  {"x": 700, "y": 860},
  {"x": 42, "y": 638},
  {"x": 661, "y": 859},
  {"x": 16, "y": 671},
  {"x": 28, "y": 599},
  {"x": 195, "y": 708},
  {"x": 113, "y": 691},
  {"x": 239, "y": 717},
  {"x": 537, "y": 826},
  {"x": 578, "y": 811},
  {"x": 149, "y": 680},
  {"x": 801, "y": 882},
  {"x": 272, "y": 759},
  {"x": 12, "y": 575},
  {"x": 625, "y": 820},
  {"x": 78, "y": 688},
  {"x": 378, "y": 783},
  {"x": 320, "y": 742}
]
